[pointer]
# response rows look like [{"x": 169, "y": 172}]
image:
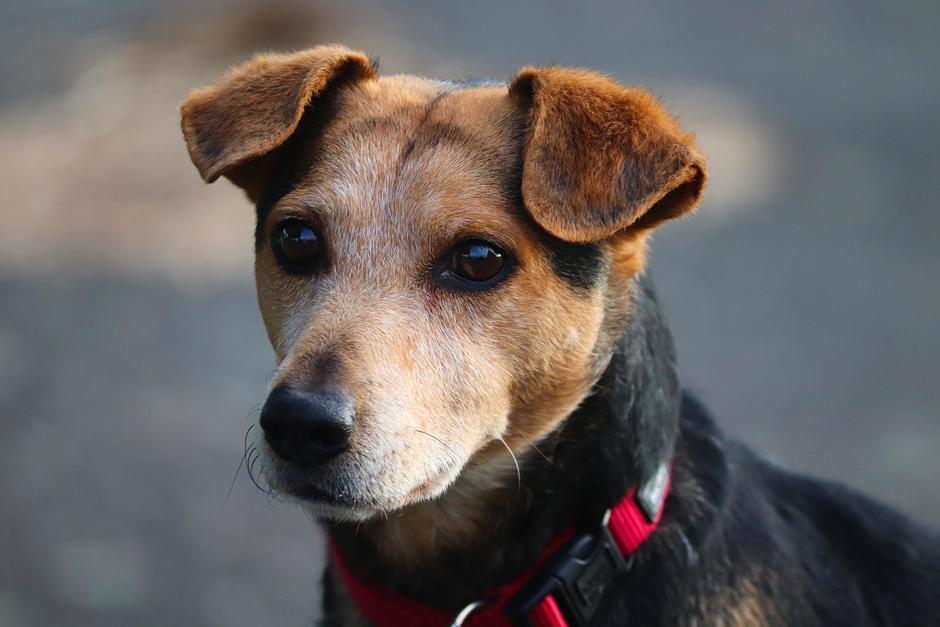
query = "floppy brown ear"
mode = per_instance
[
  {"x": 231, "y": 126},
  {"x": 600, "y": 157}
]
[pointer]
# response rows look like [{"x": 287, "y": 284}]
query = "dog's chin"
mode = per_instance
[{"x": 347, "y": 506}]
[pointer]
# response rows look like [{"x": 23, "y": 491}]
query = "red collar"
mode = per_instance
[{"x": 563, "y": 588}]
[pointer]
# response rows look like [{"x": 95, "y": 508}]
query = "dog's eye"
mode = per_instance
[
  {"x": 477, "y": 261},
  {"x": 297, "y": 246}
]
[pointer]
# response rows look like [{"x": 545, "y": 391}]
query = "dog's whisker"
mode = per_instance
[
  {"x": 537, "y": 449},
  {"x": 249, "y": 447},
  {"x": 269, "y": 376},
  {"x": 238, "y": 469},
  {"x": 251, "y": 472},
  {"x": 518, "y": 471},
  {"x": 241, "y": 463},
  {"x": 456, "y": 456}
]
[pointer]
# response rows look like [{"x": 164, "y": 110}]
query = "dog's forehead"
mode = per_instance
[
  {"x": 405, "y": 102},
  {"x": 418, "y": 157}
]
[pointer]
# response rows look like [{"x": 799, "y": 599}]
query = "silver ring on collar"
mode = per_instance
[{"x": 465, "y": 613}]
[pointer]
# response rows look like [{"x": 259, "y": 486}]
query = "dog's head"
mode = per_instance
[{"x": 442, "y": 268}]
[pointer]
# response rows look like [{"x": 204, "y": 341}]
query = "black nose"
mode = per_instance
[{"x": 307, "y": 427}]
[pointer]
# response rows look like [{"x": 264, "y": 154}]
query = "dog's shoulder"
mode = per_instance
[
  {"x": 820, "y": 547},
  {"x": 889, "y": 562}
]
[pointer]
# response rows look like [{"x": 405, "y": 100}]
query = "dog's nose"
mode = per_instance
[{"x": 307, "y": 427}]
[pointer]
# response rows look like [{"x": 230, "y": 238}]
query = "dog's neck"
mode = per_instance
[{"x": 487, "y": 528}]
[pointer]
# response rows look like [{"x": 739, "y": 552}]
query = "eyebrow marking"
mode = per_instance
[
  {"x": 429, "y": 134},
  {"x": 437, "y": 133},
  {"x": 410, "y": 146}
]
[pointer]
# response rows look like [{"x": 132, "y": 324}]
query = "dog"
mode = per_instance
[{"x": 476, "y": 390}]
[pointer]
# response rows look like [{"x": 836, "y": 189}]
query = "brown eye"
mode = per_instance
[
  {"x": 297, "y": 246},
  {"x": 477, "y": 261}
]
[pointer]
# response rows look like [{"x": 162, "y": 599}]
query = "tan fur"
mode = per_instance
[
  {"x": 443, "y": 381},
  {"x": 747, "y": 610},
  {"x": 455, "y": 519},
  {"x": 742, "y": 605}
]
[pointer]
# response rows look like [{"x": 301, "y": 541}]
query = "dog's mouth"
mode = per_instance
[
  {"x": 303, "y": 489},
  {"x": 313, "y": 493},
  {"x": 328, "y": 504},
  {"x": 340, "y": 502}
]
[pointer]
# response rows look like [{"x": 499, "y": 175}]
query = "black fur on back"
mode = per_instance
[{"x": 741, "y": 542}]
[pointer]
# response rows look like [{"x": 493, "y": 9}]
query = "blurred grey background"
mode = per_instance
[{"x": 804, "y": 294}]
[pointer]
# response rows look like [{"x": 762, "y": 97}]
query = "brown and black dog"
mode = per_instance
[{"x": 471, "y": 360}]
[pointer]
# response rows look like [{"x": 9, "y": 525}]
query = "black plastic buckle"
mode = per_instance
[{"x": 578, "y": 577}]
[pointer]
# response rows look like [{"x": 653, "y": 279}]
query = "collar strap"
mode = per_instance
[{"x": 564, "y": 588}]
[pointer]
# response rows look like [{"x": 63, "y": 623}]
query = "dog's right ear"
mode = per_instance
[{"x": 231, "y": 127}]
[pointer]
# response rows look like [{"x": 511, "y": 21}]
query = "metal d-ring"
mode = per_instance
[{"x": 465, "y": 613}]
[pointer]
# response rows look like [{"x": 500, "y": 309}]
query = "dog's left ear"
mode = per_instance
[{"x": 600, "y": 158}]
